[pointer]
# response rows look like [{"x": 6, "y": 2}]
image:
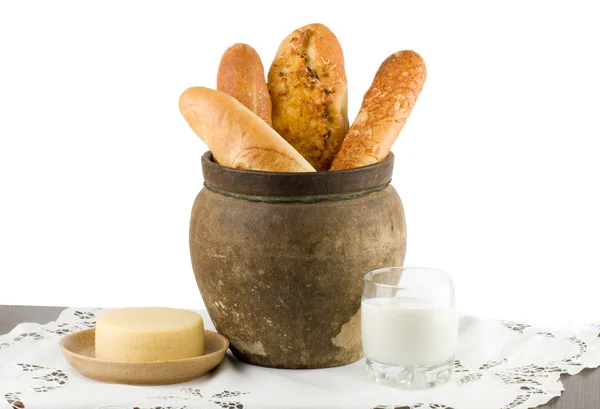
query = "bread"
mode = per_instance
[
  {"x": 384, "y": 110},
  {"x": 241, "y": 75},
  {"x": 236, "y": 136},
  {"x": 308, "y": 88}
]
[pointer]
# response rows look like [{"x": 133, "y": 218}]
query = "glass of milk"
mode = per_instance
[{"x": 409, "y": 326}]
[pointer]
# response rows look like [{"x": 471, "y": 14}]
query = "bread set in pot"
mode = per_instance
[
  {"x": 290, "y": 217},
  {"x": 297, "y": 120}
]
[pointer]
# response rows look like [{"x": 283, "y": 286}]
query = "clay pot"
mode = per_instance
[{"x": 279, "y": 258}]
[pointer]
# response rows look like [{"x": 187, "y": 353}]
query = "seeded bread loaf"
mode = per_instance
[
  {"x": 385, "y": 107},
  {"x": 309, "y": 93}
]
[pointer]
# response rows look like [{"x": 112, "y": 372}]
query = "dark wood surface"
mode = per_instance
[{"x": 582, "y": 391}]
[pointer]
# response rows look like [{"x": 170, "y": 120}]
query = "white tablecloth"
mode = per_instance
[{"x": 500, "y": 365}]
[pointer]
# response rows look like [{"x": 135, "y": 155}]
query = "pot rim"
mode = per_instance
[{"x": 222, "y": 179}]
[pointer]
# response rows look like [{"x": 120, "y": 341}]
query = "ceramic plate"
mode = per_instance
[{"x": 78, "y": 348}]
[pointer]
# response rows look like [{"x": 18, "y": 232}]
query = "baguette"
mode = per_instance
[
  {"x": 309, "y": 92},
  {"x": 237, "y": 137},
  {"x": 241, "y": 75},
  {"x": 385, "y": 107}
]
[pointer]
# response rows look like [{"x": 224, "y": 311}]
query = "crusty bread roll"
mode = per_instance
[
  {"x": 236, "y": 136},
  {"x": 384, "y": 110},
  {"x": 241, "y": 75},
  {"x": 308, "y": 88}
]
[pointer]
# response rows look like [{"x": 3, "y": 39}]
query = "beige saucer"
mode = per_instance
[{"x": 78, "y": 348}]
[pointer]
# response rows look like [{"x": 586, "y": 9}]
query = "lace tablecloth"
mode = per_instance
[{"x": 500, "y": 365}]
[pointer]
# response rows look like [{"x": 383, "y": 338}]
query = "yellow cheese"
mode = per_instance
[{"x": 149, "y": 335}]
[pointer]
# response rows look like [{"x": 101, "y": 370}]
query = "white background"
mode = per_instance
[{"x": 497, "y": 167}]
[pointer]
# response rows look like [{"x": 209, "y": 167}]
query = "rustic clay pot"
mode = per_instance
[{"x": 279, "y": 258}]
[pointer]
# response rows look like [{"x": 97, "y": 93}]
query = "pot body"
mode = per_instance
[{"x": 283, "y": 279}]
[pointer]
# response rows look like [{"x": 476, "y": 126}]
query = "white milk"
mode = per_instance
[{"x": 408, "y": 332}]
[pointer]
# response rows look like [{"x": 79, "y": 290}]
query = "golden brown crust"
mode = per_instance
[
  {"x": 384, "y": 110},
  {"x": 236, "y": 136},
  {"x": 241, "y": 75},
  {"x": 309, "y": 93}
]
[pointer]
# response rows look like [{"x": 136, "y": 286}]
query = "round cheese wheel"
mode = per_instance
[{"x": 149, "y": 335}]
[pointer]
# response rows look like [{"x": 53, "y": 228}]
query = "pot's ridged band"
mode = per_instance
[{"x": 297, "y": 199}]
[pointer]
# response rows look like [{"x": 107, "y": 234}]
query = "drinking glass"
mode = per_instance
[{"x": 409, "y": 326}]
